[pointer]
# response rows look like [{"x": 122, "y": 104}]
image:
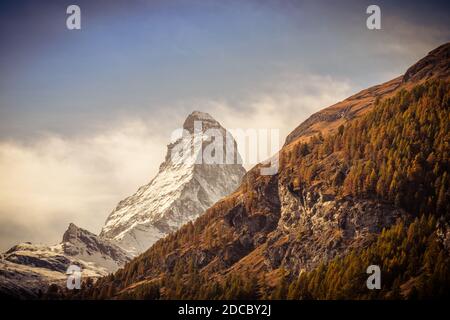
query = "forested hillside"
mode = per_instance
[{"x": 399, "y": 153}]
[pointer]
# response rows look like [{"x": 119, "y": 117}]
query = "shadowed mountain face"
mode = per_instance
[{"x": 365, "y": 164}]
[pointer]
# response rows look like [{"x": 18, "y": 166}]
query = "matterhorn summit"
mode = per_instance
[{"x": 202, "y": 165}]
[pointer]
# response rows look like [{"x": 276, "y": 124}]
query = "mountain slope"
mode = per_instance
[
  {"x": 333, "y": 195},
  {"x": 182, "y": 189}
]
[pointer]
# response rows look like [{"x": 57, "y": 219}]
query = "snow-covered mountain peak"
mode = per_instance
[{"x": 184, "y": 187}]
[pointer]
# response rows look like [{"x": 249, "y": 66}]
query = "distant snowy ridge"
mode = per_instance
[{"x": 27, "y": 269}]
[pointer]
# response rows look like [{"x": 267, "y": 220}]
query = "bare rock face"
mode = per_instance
[
  {"x": 315, "y": 228},
  {"x": 185, "y": 186}
]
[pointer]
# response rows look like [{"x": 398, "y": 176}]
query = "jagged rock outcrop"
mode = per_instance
[{"x": 82, "y": 244}]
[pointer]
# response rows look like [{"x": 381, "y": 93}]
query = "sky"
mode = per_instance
[{"x": 85, "y": 115}]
